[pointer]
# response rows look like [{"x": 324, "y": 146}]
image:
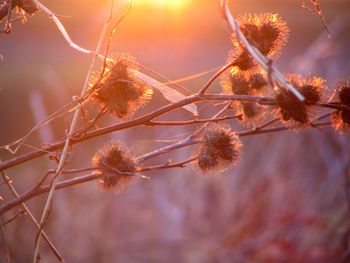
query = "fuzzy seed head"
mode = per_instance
[
  {"x": 121, "y": 93},
  {"x": 115, "y": 165},
  {"x": 220, "y": 149},
  {"x": 296, "y": 113},
  {"x": 344, "y": 92},
  {"x": 243, "y": 83},
  {"x": 242, "y": 59},
  {"x": 341, "y": 121},
  {"x": 267, "y": 32}
]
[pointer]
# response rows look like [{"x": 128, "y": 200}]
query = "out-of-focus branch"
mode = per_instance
[{"x": 8, "y": 182}]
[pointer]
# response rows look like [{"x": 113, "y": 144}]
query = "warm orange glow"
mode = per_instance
[{"x": 175, "y": 5}]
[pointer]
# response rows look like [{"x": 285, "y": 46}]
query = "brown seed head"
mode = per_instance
[
  {"x": 220, "y": 149},
  {"x": 243, "y": 83},
  {"x": 341, "y": 121},
  {"x": 344, "y": 92},
  {"x": 267, "y": 32},
  {"x": 295, "y": 113},
  {"x": 121, "y": 92},
  {"x": 116, "y": 166}
]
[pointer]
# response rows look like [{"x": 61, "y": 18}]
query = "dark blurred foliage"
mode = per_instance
[{"x": 285, "y": 202}]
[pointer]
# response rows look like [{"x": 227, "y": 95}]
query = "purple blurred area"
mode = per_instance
[{"x": 284, "y": 202}]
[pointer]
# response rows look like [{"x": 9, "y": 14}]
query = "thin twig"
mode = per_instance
[
  {"x": 4, "y": 239},
  {"x": 69, "y": 136},
  {"x": 142, "y": 120},
  {"x": 93, "y": 176},
  {"x": 30, "y": 214},
  {"x": 191, "y": 122},
  {"x": 20, "y": 213}
]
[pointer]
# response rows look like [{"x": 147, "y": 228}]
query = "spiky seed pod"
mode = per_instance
[
  {"x": 241, "y": 59},
  {"x": 341, "y": 121},
  {"x": 296, "y": 113},
  {"x": 116, "y": 166},
  {"x": 121, "y": 92},
  {"x": 344, "y": 92},
  {"x": 220, "y": 149},
  {"x": 257, "y": 81},
  {"x": 243, "y": 83},
  {"x": 237, "y": 83},
  {"x": 267, "y": 32},
  {"x": 252, "y": 113}
]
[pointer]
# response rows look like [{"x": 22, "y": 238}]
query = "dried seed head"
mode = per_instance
[
  {"x": 220, "y": 149},
  {"x": 252, "y": 113},
  {"x": 121, "y": 92},
  {"x": 344, "y": 92},
  {"x": 294, "y": 112},
  {"x": 341, "y": 118},
  {"x": 341, "y": 121},
  {"x": 267, "y": 32},
  {"x": 257, "y": 81},
  {"x": 116, "y": 166},
  {"x": 241, "y": 59},
  {"x": 243, "y": 83}
]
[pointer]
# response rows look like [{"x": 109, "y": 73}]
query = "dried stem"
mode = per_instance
[
  {"x": 143, "y": 120},
  {"x": 69, "y": 136},
  {"x": 8, "y": 182},
  {"x": 38, "y": 189}
]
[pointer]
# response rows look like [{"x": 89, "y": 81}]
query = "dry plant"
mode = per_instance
[{"x": 254, "y": 93}]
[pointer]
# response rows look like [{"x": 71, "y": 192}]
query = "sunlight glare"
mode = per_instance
[{"x": 175, "y": 5}]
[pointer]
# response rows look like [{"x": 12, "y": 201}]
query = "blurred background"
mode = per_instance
[{"x": 285, "y": 202}]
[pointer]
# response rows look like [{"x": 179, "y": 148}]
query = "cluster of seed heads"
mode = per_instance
[
  {"x": 266, "y": 32},
  {"x": 121, "y": 93},
  {"x": 245, "y": 83}
]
